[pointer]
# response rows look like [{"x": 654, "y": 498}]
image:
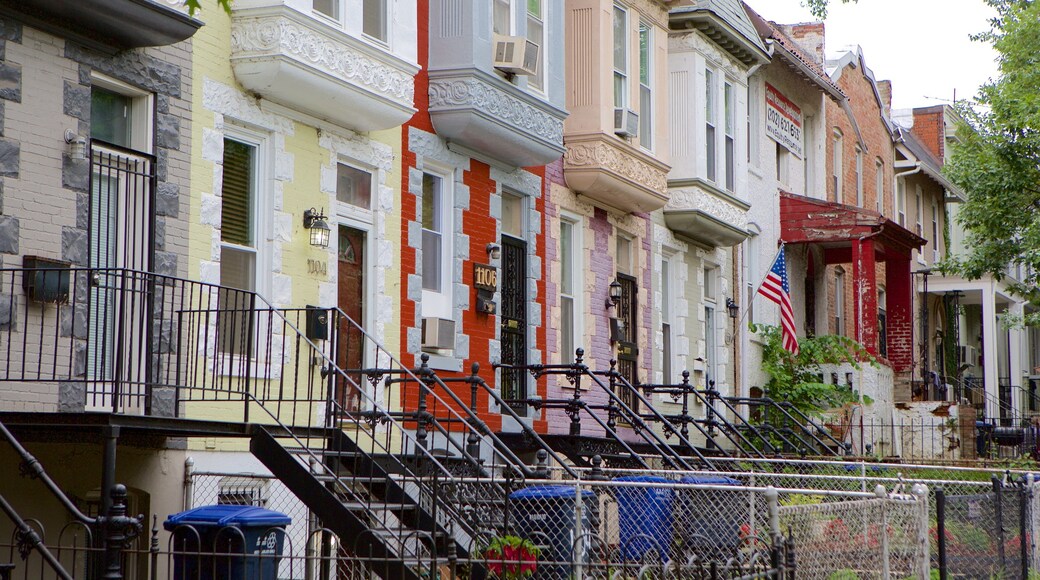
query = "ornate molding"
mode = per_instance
[
  {"x": 685, "y": 198},
  {"x": 280, "y": 33},
  {"x": 626, "y": 164},
  {"x": 473, "y": 92}
]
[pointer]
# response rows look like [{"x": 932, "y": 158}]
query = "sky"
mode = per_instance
[{"x": 922, "y": 46}]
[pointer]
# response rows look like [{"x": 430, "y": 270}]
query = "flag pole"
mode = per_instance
[{"x": 760, "y": 282}]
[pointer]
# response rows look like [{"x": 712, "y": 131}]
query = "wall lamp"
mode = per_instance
[
  {"x": 77, "y": 145},
  {"x": 614, "y": 294},
  {"x": 494, "y": 251},
  {"x": 733, "y": 308},
  {"x": 314, "y": 221}
]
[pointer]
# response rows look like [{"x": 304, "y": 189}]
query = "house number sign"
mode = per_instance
[{"x": 485, "y": 277}]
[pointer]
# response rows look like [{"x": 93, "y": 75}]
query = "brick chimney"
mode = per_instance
[
  {"x": 885, "y": 90},
  {"x": 930, "y": 128},
  {"x": 808, "y": 35}
]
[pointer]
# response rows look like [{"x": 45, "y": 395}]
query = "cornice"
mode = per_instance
[
  {"x": 618, "y": 157},
  {"x": 721, "y": 208}
]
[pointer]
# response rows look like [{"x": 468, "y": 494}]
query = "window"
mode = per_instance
[
  {"x": 571, "y": 287},
  {"x": 536, "y": 34},
  {"x": 502, "y": 17},
  {"x": 882, "y": 322},
  {"x": 859, "y": 177},
  {"x": 730, "y": 128},
  {"x": 752, "y": 124},
  {"x": 709, "y": 122},
  {"x": 836, "y": 170},
  {"x": 373, "y": 19},
  {"x": 710, "y": 332},
  {"x": 436, "y": 235},
  {"x": 624, "y": 255},
  {"x": 646, "y": 105},
  {"x": 839, "y": 302},
  {"x": 935, "y": 232},
  {"x": 808, "y": 159},
  {"x": 620, "y": 57},
  {"x": 751, "y": 274},
  {"x": 919, "y": 204},
  {"x": 242, "y": 491},
  {"x": 901, "y": 201},
  {"x": 667, "y": 312},
  {"x": 110, "y": 116},
  {"x": 238, "y": 249},
  {"x": 353, "y": 186},
  {"x": 328, "y": 8},
  {"x": 710, "y": 281},
  {"x": 879, "y": 185},
  {"x": 783, "y": 163}
]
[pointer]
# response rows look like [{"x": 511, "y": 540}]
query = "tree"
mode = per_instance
[
  {"x": 194, "y": 6},
  {"x": 997, "y": 159},
  {"x": 819, "y": 7}
]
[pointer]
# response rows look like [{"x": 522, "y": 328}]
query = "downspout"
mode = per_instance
[{"x": 917, "y": 169}]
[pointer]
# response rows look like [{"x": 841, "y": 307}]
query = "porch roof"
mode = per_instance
[{"x": 834, "y": 226}]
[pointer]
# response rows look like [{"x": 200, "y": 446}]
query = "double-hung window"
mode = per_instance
[
  {"x": 536, "y": 34},
  {"x": 901, "y": 201},
  {"x": 859, "y": 177},
  {"x": 668, "y": 311},
  {"x": 919, "y": 199},
  {"x": 238, "y": 243},
  {"x": 436, "y": 246},
  {"x": 836, "y": 169},
  {"x": 620, "y": 38},
  {"x": 646, "y": 103},
  {"x": 879, "y": 185},
  {"x": 571, "y": 285},
  {"x": 711, "y": 342},
  {"x": 373, "y": 19},
  {"x": 502, "y": 17},
  {"x": 709, "y": 122},
  {"x": 935, "y": 232},
  {"x": 730, "y": 127}
]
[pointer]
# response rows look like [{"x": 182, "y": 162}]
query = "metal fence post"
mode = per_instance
[
  {"x": 1023, "y": 515},
  {"x": 189, "y": 483},
  {"x": 777, "y": 555},
  {"x": 119, "y": 529},
  {"x": 1033, "y": 524},
  {"x": 940, "y": 528},
  {"x": 924, "y": 552},
  {"x": 998, "y": 510},
  {"x": 579, "y": 533}
]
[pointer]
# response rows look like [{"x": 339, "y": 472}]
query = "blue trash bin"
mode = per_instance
[
  {"x": 644, "y": 518},
  {"x": 545, "y": 514},
  {"x": 708, "y": 521},
  {"x": 219, "y": 551}
]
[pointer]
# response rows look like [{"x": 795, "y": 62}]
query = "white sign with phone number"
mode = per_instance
[{"x": 783, "y": 120}]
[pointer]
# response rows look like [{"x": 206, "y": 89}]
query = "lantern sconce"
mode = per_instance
[
  {"x": 733, "y": 308},
  {"x": 494, "y": 251},
  {"x": 314, "y": 221},
  {"x": 614, "y": 294}
]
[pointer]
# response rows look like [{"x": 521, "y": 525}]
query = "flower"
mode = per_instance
[{"x": 511, "y": 558}]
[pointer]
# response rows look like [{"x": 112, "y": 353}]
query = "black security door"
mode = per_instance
[
  {"x": 514, "y": 321},
  {"x": 628, "y": 353}
]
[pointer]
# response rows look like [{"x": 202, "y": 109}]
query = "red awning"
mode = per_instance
[{"x": 806, "y": 220}]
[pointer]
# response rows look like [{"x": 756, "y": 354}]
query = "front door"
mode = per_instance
[
  {"x": 514, "y": 321},
  {"x": 628, "y": 353},
  {"x": 350, "y": 341}
]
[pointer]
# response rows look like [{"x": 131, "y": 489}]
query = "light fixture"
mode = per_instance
[
  {"x": 494, "y": 251},
  {"x": 314, "y": 221},
  {"x": 733, "y": 307},
  {"x": 77, "y": 145},
  {"x": 614, "y": 295}
]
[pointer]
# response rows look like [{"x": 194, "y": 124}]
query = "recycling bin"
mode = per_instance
[
  {"x": 644, "y": 518},
  {"x": 707, "y": 521},
  {"x": 545, "y": 515},
  {"x": 227, "y": 542}
]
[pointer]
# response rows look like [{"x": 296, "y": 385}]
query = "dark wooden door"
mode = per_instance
[
  {"x": 514, "y": 321},
  {"x": 350, "y": 341}
]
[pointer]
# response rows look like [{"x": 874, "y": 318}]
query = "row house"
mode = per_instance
[{"x": 95, "y": 141}]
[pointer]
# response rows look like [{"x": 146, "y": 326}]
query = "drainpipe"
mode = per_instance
[{"x": 917, "y": 169}]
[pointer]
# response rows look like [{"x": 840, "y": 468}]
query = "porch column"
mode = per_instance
[
  {"x": 899, "y": 294},
  {"x": 989, "y": 351},
  {"x": 864, "y": 284},
  {"x": 1016, "y": 359}
]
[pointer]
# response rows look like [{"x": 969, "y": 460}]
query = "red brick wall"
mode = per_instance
[{"x": 930, "y": 128}]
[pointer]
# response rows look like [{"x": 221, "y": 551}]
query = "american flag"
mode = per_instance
[{"x": 776, "y": 288}]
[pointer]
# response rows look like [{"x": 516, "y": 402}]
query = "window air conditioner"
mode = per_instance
[
  {"x": 438, "y": 333},
  {"x": 516, "y": 55},
  {"x": 626, "y": 123},
  {"x": 969, "y": 355}
]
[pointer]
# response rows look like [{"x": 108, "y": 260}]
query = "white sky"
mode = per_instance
[{"x": 922, "y": 46}]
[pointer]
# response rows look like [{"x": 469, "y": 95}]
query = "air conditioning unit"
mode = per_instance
[
  {"x": 968, "y": 355},
  {"x": 626, "y": 123},
  {"x": 516, "y": 55},
  {"x": 438, "y": 333}
]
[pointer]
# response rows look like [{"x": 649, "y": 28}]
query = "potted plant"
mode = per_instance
[{"x": 511, "y": 558}]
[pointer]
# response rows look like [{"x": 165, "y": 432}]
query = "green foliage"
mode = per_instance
[
  {"x": 796, "y": 378},
  {"x": 819, "y": 7},
  {"x": 997, "y": 159},
  {"x": 194, "y": 6},
  {"x": 845, "y": 574}
]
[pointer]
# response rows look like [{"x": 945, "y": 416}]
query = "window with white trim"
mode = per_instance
[
  {"x": 711, "y": 342},
  {"x": 238, "y": 241},
  {"x": 328, "y": 8},
  {"x": 572, "y": 283},
  {"x": 502, "y": 17},
  {"x": 808, "y": 157},
  {"x": 620, "y": 42},
  {"x": 709, "y": 123},
  {"x": 752, "y": 276},
  {"x": 437, "y": 237},
  {"x": 668, "y": 311},
  {"x": 752, "y": 124},
  {"x": 919, "y": 209},
  {"x": 859, "y": 177},
  {"x": 730, "y": 129},
  {"x": 836, "y": 162},
  {"x": 646, "y": 102},
  {"x": 783, "y": 165},
  {"x": 879, "y": 185},
  {"x": 901, "y": 201},
  {"x": 373, "y": 19},
  {"x": 935, "y": 232},
  {"x": 536, "y": 34},
  {"x": 353, "y": 186}
]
